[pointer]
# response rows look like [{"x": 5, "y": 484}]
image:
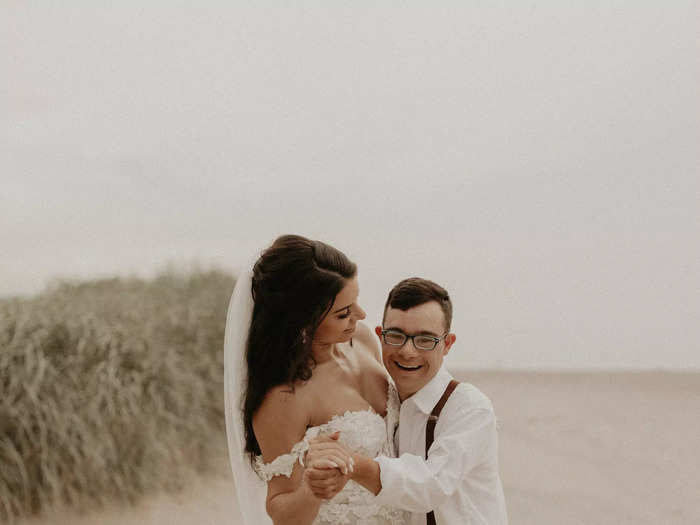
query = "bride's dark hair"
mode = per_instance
[{"x": 295, "y": 282}]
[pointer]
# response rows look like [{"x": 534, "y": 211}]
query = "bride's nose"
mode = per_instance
[{"x": 359, "y": 313}]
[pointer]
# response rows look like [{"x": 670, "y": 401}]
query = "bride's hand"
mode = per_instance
[
  {"x": 325, "y": 483},
  {"x": 326, "y": 452},
  {"x": 328, "y": 466}
]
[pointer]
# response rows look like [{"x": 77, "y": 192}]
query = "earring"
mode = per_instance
[{"x": 303, "y": 336}]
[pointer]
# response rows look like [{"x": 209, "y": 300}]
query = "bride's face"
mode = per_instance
[{"x": 339, "y": 324}]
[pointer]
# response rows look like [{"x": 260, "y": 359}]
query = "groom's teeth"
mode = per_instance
[{"x": 406, "y": 367}]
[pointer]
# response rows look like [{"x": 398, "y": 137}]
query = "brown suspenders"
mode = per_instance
[{"x": 430, "y": 429}]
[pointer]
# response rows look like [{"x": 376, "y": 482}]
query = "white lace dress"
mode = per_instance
[{"x": 363, "y": 431}]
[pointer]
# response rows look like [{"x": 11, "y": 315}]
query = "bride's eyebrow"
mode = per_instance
[{"x": 343, "y": 308}]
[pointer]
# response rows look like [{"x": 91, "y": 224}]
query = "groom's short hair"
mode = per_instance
[{"x": 416, "y": 291}]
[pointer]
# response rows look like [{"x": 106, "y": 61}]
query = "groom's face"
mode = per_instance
[{"x": 410, "y": 367}]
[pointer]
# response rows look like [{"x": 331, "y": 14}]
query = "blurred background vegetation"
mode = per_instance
[{"x": 111, "y": 389}]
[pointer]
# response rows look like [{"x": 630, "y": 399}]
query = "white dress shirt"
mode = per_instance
[{"x": 459, "y": 481}]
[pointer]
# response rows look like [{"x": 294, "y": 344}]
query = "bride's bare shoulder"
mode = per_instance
[
  {"x": 367, "y": 340},
  {"x": 281, "y": 420}
]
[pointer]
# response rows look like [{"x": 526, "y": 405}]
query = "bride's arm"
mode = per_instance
[
  {"x": 369, "y": 340},
  {"x": 289, "y": 501},
  {"x": 279, "y": 424}
]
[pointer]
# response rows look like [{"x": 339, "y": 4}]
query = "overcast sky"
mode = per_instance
[{"x": 539, "y": 159}]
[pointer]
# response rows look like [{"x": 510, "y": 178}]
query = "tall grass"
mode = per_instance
[{"x": 110, "y": 390}]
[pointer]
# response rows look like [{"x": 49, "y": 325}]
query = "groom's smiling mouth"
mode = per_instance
[{"x": 407, "y": 367}]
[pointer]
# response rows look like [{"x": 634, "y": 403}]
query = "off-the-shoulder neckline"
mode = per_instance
[
  {"x": 299, "y": 446},
  {"x": 348, "y": 413}
]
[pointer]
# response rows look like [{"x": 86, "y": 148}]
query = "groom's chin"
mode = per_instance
[
  {"x": 409, "y": 381},
  {"x": 405, "y": 380}
]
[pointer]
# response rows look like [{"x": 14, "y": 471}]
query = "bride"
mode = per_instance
[{"x": 298, "y": 363}]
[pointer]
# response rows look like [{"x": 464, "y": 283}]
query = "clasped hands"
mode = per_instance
[{"x": 329, "y": 465}]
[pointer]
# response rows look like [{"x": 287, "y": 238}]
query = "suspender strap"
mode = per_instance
[{"x": 430, "y": 429}]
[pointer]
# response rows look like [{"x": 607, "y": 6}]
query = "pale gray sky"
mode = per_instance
[{"x": 539, "y": 159}]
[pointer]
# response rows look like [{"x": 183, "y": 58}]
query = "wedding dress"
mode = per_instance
[{"x": 362, "y": 431}]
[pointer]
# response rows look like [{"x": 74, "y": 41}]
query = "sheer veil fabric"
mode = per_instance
[{"x": 250, "y": 489}]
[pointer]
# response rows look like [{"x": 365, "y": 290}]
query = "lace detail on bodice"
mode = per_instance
[{"x": 363, "y": 431}]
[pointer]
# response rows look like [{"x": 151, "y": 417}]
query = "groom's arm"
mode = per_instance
[
  {"x": 411, "y": 482},
  {"x": 464, "y": 441},
  {"x": 367, "y": 473}
]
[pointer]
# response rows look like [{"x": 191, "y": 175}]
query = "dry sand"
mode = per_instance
[
  {"x": 575, "y": 448},
  {"x": 599, "y": 448}
]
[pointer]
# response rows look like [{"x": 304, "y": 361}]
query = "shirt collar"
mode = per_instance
[{"x": 428, "y": 396}]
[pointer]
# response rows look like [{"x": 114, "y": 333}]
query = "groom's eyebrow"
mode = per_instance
[{"x": 422, "y": 332}]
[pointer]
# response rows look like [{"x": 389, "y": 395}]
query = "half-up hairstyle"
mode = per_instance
[{"x": 295, "y": 282}]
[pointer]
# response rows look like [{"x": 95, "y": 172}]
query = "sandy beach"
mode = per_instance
[
  {"x": 582, "y": 448},
  {"x": 575, "y": 448}
]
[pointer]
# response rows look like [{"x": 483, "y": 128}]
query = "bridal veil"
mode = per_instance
[{"x": 250, "y": 489}]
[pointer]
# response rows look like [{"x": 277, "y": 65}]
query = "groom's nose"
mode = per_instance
[{"x": 408, "y": 351}]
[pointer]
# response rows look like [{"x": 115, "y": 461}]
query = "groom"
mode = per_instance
[{"x": 447, "y": 469}]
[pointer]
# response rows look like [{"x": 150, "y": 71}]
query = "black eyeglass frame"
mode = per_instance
[{"x": 436, "y": 340}]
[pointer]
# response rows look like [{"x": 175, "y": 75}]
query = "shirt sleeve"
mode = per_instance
[{"x": 413, "y": 483}]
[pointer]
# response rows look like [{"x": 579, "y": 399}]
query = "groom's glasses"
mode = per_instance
[{"x": 421, "y": 342}]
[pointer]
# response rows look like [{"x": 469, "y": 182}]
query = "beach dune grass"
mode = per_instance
[{"x": 110, "y": 390}]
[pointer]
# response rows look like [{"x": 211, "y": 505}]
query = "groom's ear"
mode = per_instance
[
  {"x": 378, "y": 331},
  {"x": 449, "y": 341}
]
